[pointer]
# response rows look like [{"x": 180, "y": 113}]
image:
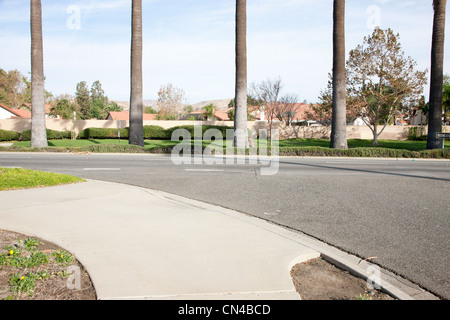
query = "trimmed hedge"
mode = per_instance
[
  {"x": 150, "y": 132},
  {"x": 6, "y": 135},
  {"x": 103, "y": 133},
  {"x": 191, "y": 130},
  {"x": 51, "y": 135},
  {"x": 156, "y": 133}
]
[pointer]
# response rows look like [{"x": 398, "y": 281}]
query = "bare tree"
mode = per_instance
[
  {"x": 38, "y": 128},
  {"x": 136, "y": 136},
  {"x": 437, "y": 75},
  {"x": 339, "y": 120},
  {"x": 240, "y": 119},
  {"x": 287, "y": 108},
  {"x": 171, "y": 102},
  {"x": 269, "y": 93}
]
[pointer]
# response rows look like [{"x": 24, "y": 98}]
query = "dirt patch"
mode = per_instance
[
  {"x": 313, "y": 280},
  {"x": 319, "y": 280},
  {"x": 59, "y": 277}
]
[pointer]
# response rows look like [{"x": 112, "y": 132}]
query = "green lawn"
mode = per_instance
[
  {"x": 90, "y": 142},
  {"x": 292, "y": 143},
  {"x": 15, "y": 178}
]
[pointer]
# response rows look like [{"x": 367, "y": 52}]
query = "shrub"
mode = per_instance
[
  {"x": 191, "y": 129},
  {"x": 6, "y": 135},
  {"x": 51, "y": 135},
  {"x": 103, "y": 133},
  {"x": 417, "y": 134},
  {"x": 156, "y": 133}
]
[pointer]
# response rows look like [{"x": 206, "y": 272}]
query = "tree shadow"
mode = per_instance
[{"x": 362, "y": 170}]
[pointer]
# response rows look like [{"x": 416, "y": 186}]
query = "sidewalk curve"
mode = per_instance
[{"x": 137, "y": 243}]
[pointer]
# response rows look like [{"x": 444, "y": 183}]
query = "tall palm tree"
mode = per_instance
[
  {"x": 38, "y": 129},
  {"x": 437, "y": 75},
  {"x": 339, "y": 106},
  {"x": 136, "y": 136},
  {"x": 240, "y": 119}
]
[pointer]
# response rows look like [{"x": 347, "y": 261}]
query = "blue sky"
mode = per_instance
[{"x": 190, "y": 43}]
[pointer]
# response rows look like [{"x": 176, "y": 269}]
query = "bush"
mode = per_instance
[
  {"x": 6, "y": 135},
  {"x": 103, "y": 133},
  {"x": 156, "y": 133},
  {"x": 191, "y": 130},
  {"x": 417, "y": 134},
  {"x": 51, "y": 135}
]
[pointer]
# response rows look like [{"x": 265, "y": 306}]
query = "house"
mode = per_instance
[
  {"x": 293, "y": 113},
  {"x": 48, "y": 109},
  {"x": 13, "y": 113},
  {"x": 125, "y": 116}
]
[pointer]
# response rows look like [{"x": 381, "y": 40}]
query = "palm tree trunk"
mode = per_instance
[
  {"x": 136, "y": 136},
  {"x": 437, "y": 75},
  {"x": 240, "y": 119},
  {"x": 38, "y": 129},
  {"x": 339, "y": 106}
]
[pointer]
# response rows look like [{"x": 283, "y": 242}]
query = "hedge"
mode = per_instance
[
  {"x": 103, "y": 133},
  {"x": 6, "y": 135},
  {"x": 191, "y": 130},
  {"x": 150, "y": 132},
  {"x": 156, "y": 133},
  {"x": 51, "y": 135}
]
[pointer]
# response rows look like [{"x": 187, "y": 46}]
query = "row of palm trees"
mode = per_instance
[{"x": 338, "y": 135}]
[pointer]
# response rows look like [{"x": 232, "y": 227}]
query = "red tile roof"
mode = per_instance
[
  {"x": 48, "y": 107},
  {"x": 17, "y": 113}
]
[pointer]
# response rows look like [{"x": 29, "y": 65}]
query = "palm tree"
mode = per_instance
[
  {"x": 339, "y": 119},
  {"x": 38, "y": 129},
  {"x": 437, "y": 75},
  {"x": 136, "y": 136},
  {"x": 240, "y": 119}
]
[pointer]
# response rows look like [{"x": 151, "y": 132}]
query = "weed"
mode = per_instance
[
  {"x": 363, "y": 297},
  {"x": 63, "y": 257}
]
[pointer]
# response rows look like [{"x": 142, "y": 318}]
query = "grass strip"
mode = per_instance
[{"x": 16, "y": 178}]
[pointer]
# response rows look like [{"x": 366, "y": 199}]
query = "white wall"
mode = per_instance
[{"x": 5, "y": 114}]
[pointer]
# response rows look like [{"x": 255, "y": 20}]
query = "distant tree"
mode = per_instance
[
  {"x": 251, "y": 104},
  {"x": 111, "y": 107},
  {"x": 64, "y": 108},
  {"x": 38, "y": 128},
  {"x": 170, "y": 102},
  {"x": 150, "y": 110},
  {"x": 26, "y": 93},
  {"x": 446, "y": 99},
  {"x": 269, "y": 93},
  {"x": 11, "y": 88},
  {"x": 98, "y": 94},
  {"x": 437, "y": 74},
  {"x": 84, "y": 101},
  {"x": 381, "y": 78},
  {"x": 209, "y": 112},
  {"x": 187, "y": 110},
  {"x": 322, "y": 111}
]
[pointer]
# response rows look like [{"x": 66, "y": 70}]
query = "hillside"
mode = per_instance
[{"x": 220, "y": 104}]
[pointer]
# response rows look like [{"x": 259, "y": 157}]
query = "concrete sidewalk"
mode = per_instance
[{"x": 141, "y": 244}]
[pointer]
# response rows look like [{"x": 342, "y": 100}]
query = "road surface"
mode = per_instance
[{"x": 395, "y": 210}]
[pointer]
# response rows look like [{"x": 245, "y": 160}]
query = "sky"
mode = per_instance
[{"x": 190, "y": 43}]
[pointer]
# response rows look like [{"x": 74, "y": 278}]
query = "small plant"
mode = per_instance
[
  {"x": 30, "y": 244},
  {"x": 363, "y": 297},
  {"x": 63, "y": 257}
]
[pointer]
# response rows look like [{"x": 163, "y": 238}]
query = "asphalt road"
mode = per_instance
[{"x": 395, "y": 210}]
